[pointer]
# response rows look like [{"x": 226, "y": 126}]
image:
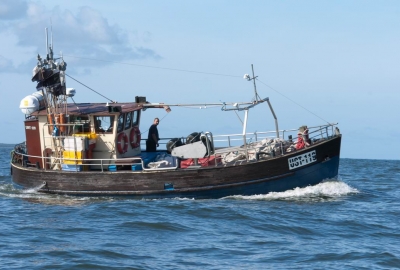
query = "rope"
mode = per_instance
[
  {"x": 159, "y": 122},
  {"x": 163, "y": 117},
  {"x": 293, "y": 101},
  {"x": 184, "y": 70},
  {"x": 90, "y": 88},
  {"x": 76, "y": 105},
  {"x": 239, "y": 117},
  {"x": 172, "y": 69}
]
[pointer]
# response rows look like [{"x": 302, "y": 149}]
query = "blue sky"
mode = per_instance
[{"x": 338, "y": 59}]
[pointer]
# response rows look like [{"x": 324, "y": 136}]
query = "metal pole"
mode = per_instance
[
  {"x": 246, "y": 112},
  {"x": 254, "y": 82},
  {"x": 47, "y": 41},
  {"x": 276, "y": 119}
]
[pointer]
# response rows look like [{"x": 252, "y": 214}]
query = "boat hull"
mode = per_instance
[{"x": 261, "y": 177}]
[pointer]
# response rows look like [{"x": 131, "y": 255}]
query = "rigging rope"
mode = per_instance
[
  {"x": 76, "y": 105},
  {"x": 239, "y": 117},
  {"x": 184, "y": 70},
  {"x": 159, "y": 121},
  {"x": 90, "y": 89},
  {"x": 172, "y": 69},
  {"x": 293, "y": 101}
]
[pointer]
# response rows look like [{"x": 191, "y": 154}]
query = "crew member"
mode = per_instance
[{"x": 153, "y": 138}]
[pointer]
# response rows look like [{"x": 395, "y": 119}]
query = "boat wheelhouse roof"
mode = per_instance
[{"x": 95, "y": 108}]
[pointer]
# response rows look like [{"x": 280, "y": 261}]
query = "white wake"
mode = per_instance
[{"x": 324, "y": 191}]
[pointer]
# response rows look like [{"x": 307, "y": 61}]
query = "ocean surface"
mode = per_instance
[{"x": 352, "y": 223}]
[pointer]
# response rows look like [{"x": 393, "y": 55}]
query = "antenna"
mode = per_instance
[
  {"x": 47, "y": 41},
  {"x": 254, "y": 81},
  {"x": 247, "y": 77},
  {"x": 51, "y": 30}
]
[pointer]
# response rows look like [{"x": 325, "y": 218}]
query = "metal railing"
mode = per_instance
[
  {"x": 230, "y": 140},
  {"x": 103, "y": 163},
  {"x": 260, "y": 135},
  {"x": 315, "y": 134}
]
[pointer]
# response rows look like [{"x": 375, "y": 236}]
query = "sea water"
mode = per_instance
[{"x": 352, "y": 223}]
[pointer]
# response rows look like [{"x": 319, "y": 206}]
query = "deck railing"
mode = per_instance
[
  {"x": 230, "y": 140},
  {"x": 102, "y": 163},
  {"x": 225, "y": 144}
]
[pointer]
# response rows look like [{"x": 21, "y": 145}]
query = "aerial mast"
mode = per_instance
[
  {"x": 257, "y": 97},
  {"x": 50, "y": 77}
]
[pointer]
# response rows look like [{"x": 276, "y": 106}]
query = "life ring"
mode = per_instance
[
  {"x": 135, "y": 137},
  {"x": 122, "y": 143}
]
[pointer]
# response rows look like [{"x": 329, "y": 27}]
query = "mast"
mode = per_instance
[
  {"x": 247, "y": 77},
  {"x": 50, "y": 77},
  {"x": 257, "y": 97}
]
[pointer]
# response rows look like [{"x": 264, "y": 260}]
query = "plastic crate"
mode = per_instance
[
  {"x": 72, "y": 157},
  {"x": 71, "y": 168},
  {"x": 137, "y": 167}
]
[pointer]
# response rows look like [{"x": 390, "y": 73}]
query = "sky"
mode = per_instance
[{"x": 317, "y": 61}]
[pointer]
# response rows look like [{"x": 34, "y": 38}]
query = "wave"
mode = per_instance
[
  {"x": 32, "y": 195},
  {"x": 326, "y": 191}
]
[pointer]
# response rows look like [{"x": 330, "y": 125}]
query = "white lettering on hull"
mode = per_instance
[{"x": 302, "y": 160}]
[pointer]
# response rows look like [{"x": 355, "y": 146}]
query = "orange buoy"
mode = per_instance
[
  {"x": 63, "y": 120},
  {"x": 51, "y": 123}
]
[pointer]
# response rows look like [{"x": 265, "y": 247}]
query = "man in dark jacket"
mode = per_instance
[{"x": 153, "y": 138}]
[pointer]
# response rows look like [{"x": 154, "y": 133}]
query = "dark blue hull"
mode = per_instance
[
  {"x": 309, "y": 176},
  {"x": 276, "y": 174}
]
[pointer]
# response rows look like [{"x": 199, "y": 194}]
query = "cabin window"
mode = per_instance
[
  {"x": 128, "y": 120},
  {"x": 135, "y": 118},
  {"x": 81, "y": 124},
  {"x": 104, "y": 124},
  {"x": 120, "y": 122}
]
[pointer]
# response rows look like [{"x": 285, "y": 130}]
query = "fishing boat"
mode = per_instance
[{"x": 95, "y": 149}]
